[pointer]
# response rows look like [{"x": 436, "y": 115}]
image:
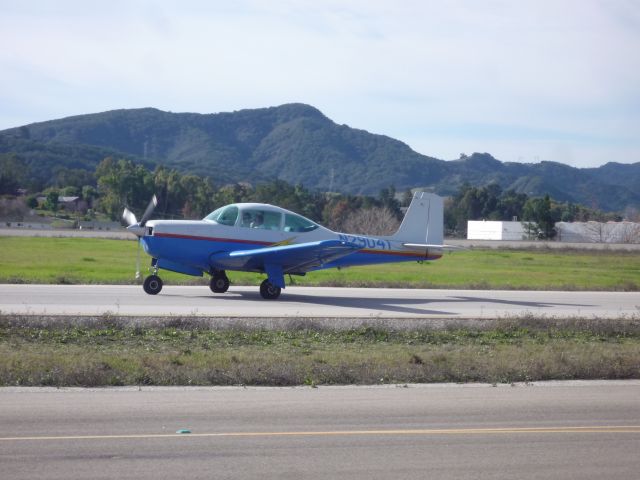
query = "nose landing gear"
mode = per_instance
[{"x": 152, "y": 284}]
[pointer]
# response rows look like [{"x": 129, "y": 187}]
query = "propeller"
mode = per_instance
[
  {"x": 137, "y": 228},
  {"x": 153, "y": 203},
  {"x": 130, "y": 219}
]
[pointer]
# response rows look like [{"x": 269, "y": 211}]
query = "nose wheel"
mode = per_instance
[{"x": 152, "y": 284}]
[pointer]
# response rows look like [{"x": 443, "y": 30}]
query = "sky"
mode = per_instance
[{"x": 525, "y": 81}]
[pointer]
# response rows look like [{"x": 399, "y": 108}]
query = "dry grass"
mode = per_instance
[{"x": 193, "y": 351}]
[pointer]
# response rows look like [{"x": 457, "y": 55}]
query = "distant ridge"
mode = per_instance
[{"x": 297, "y": 143}]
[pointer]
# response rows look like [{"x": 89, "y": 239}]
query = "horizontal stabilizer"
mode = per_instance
[{"x": 424, "y": 245}]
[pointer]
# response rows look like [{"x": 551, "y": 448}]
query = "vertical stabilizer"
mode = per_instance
[{"x": 423, "y": 223}]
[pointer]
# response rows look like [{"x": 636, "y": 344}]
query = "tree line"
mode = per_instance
[
  {"x": 539, "y": 214},
  {"x": 117, "y": 183}
]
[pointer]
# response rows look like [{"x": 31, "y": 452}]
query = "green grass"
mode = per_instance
[
  {"x": 117, "y": 351},
  {"x": 80, "y": 260}
]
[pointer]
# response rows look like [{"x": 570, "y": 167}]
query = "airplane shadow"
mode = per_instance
[{"x": 412, "y": 306}]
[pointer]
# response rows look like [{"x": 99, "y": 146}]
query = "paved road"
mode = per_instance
[
  {"x": 122, "y": 234},
  {"x": 312, "y": 302},
  {"x": 581, "y": 430}
]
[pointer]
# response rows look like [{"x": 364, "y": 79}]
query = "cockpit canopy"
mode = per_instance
[{"x": 260, "y": 216}]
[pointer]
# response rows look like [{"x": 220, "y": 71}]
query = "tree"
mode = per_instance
[
  {"x": 538, "y": 212},
  {"x": 169, "y": 190},
  {"x": 467, "y": 205},
  {"x": 74, "y": 177},
  {"x": 51, "y": 200},
  {"x": 371, "y": 221},
  {"x": 32, "y": 202},
  {"x": 237, "y": 192},
  {"x": 336, "y": 212},
  {"x": 199, "y": 196},
  {"x": 13, "y": 173},
  {"x": 510, "y": 204},
  {"x": 122, "y": 183},
  {"x": 388, "y": 200},
  {"x": 295, "y": 198},
  {"x": 89, "y": 194},
  {"x": 407, "y": 196},
  {"x": 70, "y": 191}
]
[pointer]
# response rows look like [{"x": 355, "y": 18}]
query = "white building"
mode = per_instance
[
  {"x": 571, "y": 232},
  {"x": 495, "y": 230},
  {"x": 596, "y": 232}
]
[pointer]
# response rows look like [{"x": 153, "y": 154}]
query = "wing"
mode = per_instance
[{"x": 277, "y": 261}]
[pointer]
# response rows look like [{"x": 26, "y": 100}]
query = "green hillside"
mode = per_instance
[{"x": 298, "y": 144}]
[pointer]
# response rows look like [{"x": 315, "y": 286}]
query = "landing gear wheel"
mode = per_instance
[
  {"x": 269, "y": 291},
  {"x": 219, "y": 283},
  {"x": 152, "y": 284}
]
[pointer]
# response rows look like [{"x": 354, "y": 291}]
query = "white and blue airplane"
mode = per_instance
[{"x": 256, "y": 237}]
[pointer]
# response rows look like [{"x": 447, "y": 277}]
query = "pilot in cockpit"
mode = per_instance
[
  {"x": 258, "y": 221},
  {"x": 246, "y": 219}
]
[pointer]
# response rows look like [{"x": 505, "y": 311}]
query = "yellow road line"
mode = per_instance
[{"x": 454, "y": 431}]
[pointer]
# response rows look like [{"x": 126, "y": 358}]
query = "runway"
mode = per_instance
[
  {"x": 312, "y": 302},
  {"x": 573, "y": 430}
]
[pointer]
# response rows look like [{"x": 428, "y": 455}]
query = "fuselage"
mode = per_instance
[{"x": 190, "y": 246}]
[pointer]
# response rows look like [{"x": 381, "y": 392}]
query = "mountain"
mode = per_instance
[{"x": 298, "y": 144}]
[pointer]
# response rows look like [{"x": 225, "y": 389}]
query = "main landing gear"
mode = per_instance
[
  {"x": 269, "y": 291},
  {"x": 219, "y": 282}
]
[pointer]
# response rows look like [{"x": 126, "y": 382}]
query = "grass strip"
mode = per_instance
[
  {"x": 109, "y": 351},
  {"x": 102, "y": 261}
]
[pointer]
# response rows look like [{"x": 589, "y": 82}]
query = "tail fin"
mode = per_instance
[{"x": 423, "y": 223}]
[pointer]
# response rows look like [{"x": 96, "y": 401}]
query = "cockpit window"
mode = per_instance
[
  {"x": 224, "y": 215},
  {"x": 260, "y": 218},
  {"x": 296, "y": 223},
  {"x": 257, "y": 218}
]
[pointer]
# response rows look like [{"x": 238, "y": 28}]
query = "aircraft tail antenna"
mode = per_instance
[{"x": 426, "y": 237}]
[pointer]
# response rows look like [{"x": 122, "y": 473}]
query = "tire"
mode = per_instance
[
  {"x": 269, "y": 291},
  {"x": 219, "y": 283},
  {"x": 152, "y": 284}
]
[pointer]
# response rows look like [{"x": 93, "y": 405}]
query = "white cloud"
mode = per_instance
[{"x": 553, "y": 80}]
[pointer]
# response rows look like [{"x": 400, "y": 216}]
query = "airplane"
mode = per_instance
[{"x": 263, "y": 238}]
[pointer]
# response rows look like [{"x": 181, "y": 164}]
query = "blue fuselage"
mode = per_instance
[{"x": 195, "y": 254}]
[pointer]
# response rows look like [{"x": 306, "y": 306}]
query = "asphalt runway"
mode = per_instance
[
  {"x": 575, "y": 430},
  {"x": 313, "y": 302}
]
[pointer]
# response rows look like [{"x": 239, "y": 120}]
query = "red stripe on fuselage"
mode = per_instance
[
  {"x": 403, "y": 254},
  {"x": 419, "y": 255},
  {"x": 210, "y": 239}
]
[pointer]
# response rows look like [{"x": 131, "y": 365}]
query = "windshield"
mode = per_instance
[{"x": 224, "y": 215}]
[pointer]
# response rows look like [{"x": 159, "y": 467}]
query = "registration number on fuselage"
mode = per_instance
[{"x": 366, "y": 242}]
